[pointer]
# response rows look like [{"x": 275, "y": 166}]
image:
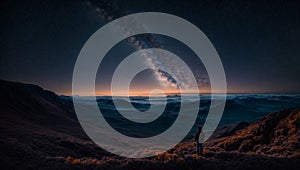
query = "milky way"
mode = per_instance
[{"x": 108, "y": 11}]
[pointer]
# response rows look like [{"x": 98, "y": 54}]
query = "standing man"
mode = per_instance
[{"x": 199, "y": 147}]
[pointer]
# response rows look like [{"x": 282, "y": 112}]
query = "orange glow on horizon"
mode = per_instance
[
  {"x": 145, "y": 92},
  {"x": 139, "y": 93}
]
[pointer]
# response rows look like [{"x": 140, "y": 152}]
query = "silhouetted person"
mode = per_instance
[{"x": 199, "y": 147}]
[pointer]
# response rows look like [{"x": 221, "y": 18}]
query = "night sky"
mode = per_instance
[{"x": 258, "y": 42}]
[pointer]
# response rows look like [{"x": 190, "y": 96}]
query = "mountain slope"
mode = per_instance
[
  {"x": 36, "y": 127},
  {"x": 276, "y": 134}
]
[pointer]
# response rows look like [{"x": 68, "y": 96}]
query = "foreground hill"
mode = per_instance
[
  {"x": 276, "y": 134},
  {"x": 39, "y": 130}
]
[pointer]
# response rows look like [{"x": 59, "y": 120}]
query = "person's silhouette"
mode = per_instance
[{"x": 199, "y": 147}]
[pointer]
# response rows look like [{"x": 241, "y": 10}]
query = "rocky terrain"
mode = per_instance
[{"x": 39, "y": 130}]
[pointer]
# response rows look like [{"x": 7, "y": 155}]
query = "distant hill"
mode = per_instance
[{"x": 39, "y": 130}]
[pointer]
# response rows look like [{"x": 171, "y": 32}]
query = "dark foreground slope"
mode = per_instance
[{"x": 39, "y": 130}]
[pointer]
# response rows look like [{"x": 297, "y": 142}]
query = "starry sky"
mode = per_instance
[{"x": 258, "y": 42}]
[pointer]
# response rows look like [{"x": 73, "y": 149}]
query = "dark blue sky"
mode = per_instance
[{"x": 258, "y": 42}]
